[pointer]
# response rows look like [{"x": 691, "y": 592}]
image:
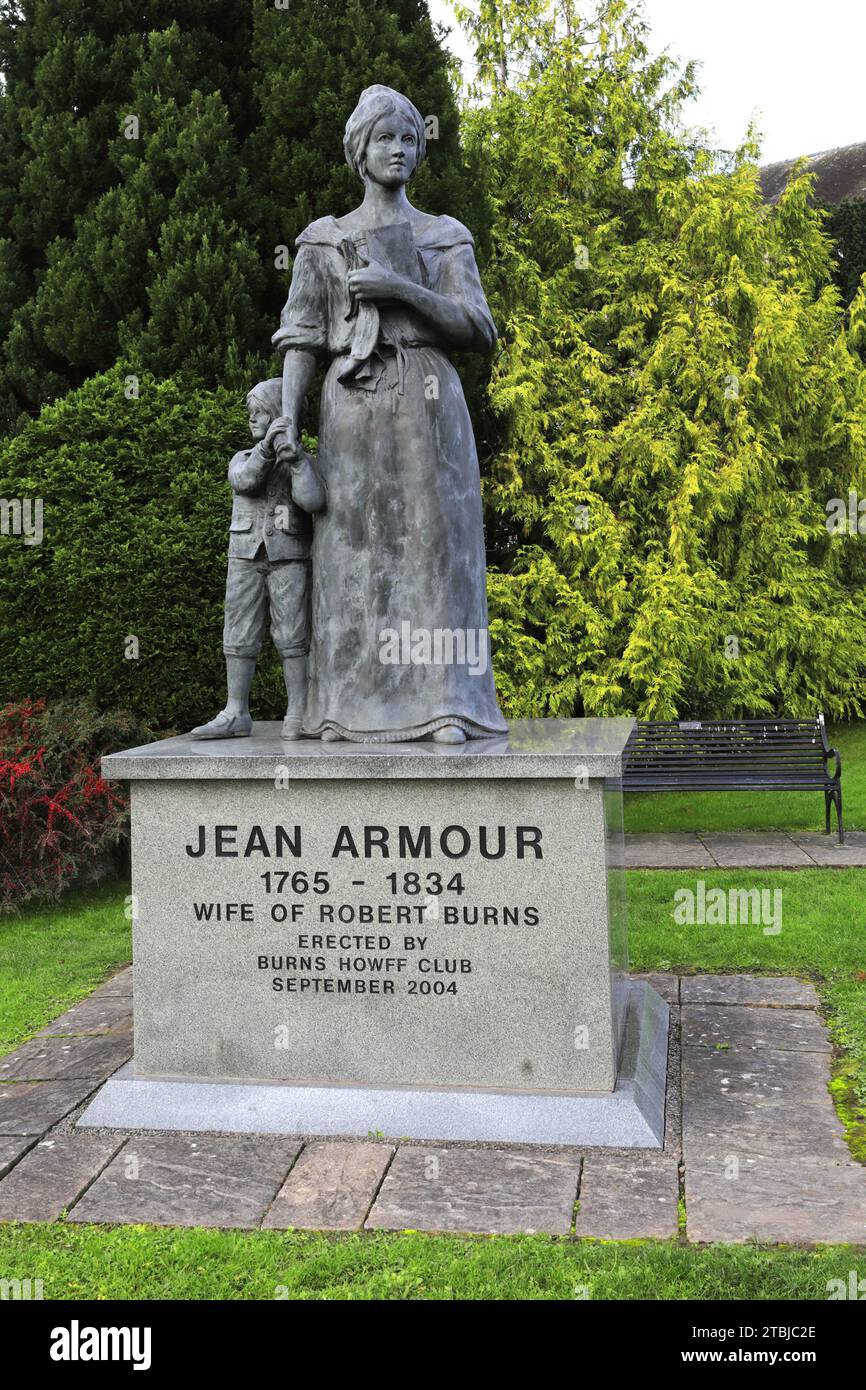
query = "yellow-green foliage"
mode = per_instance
[{"x": 674, "y": 358}]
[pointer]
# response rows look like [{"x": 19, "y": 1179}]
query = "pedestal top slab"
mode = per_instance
[{"x": 534, "y": 748}]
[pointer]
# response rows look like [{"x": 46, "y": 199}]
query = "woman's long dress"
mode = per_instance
[{"x": 399, "y": 643}]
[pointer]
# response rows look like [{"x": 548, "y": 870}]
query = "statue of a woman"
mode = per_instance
[{"x": 400, "y": 647}]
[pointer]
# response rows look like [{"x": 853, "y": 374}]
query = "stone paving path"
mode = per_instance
[
  {"x": 746, "y": 849},
  {"x": 753, "y": 1144}
]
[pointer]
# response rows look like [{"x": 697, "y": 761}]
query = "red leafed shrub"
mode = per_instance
[{"x": 60, "y": 822}]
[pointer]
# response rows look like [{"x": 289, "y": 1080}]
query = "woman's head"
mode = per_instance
[{"x": 384, "y": 136}]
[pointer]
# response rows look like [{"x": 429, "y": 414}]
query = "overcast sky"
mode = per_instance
[{"x": 797, "y": 65}]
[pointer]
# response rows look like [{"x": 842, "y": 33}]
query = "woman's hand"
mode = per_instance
[
  {"x": 375, "y": 281},
  {"x": 289, "y": 446},
  {"x": 282, "y": 439}
]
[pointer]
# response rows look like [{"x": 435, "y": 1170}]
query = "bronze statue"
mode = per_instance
[{"x": 399, "y": 646}]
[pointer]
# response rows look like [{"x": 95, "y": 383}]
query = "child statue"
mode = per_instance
[{"x": 275, "y": 488}]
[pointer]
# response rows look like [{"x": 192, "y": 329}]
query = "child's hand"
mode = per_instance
[{"x": 281, "y": 433}]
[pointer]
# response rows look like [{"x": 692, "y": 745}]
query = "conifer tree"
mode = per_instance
[
  {"x": 846, "y": 224},
  {"x": 161, "y": 269},
  {"x": 160, "y": 242},
  {"x": 68, "y": 74},
  {"x": 678, "y": 395}
]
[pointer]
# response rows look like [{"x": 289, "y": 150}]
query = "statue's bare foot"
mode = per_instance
[
  {"x": 449, "y": 733},
  {"x": 331, "y": 736},
  {"x": 291, "y": 729},
  {"x": 225, "y": 726}
]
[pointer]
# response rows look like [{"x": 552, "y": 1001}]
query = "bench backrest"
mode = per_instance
[{"x": 726, "y": 745}]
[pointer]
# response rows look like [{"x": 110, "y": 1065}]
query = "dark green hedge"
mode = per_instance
[
  {"x": 136, "y": 514},
  {"x": 846, "y": 224}
]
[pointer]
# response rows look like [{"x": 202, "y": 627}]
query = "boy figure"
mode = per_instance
[{"x": 268, "y": 571}]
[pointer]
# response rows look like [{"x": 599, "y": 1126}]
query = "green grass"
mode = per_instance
[
  {"x": 50, "y": 957},
  {"x": 140, "y": 1262},
  {"x": 823, "y": 923},
  {"x": 847, "y": 1010},
  {"x": 670, "y": 811}
]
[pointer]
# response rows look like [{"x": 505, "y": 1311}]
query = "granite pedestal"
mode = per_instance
[{"x": 418, "y": 940}]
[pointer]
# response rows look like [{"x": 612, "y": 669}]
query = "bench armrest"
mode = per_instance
[
  {"x": 834, "y": 753},
  {"x": 828, "y": 751}
]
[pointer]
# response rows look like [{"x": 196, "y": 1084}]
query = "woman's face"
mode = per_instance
[{"x": 392, "y": 151}]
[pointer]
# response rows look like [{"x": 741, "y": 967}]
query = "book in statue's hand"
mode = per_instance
[{"x": 394, "y": 246}]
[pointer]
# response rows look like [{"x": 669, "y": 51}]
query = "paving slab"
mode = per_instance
[
  {"x": 678, "y": 851},
  {"x": 12, "y": 1147},
  {"x": 99, "y": 1013},
  {"x": 755, "y": 849},
  {"x": 330, "y": 1188},
  {"x": 33, "y": 1107},
  {"x": 767, "y": 1074},
  {"x": 668, "y": 986},
  {"x": 67, "y": 1058},
  {"x": 184, "y": 1180},
  {"x": 121, "y": 983},
  {"x": 786, "y": 1134},
  {"x": 488, "y": 1191},
  {"x": 775, "y": 1199},
  {"x": 723, "y": 1027},
  {"x": 790, "y": 1131},
  {"x": 744, "y": 849},
  {"x": 628, "y": 1198},
  {"x": 826, "y": 851},
  {"x": 765, "y": 1101},
  {"x": 53, "y": 1175},
  {"x": 781, "y": 991}
]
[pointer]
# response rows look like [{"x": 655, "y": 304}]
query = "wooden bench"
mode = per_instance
[{"x": 710, "y": 755}]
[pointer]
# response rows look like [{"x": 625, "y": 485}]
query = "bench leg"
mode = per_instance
[{"x": 833, "y": 797}]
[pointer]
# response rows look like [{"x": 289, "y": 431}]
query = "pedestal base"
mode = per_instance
[{"x": 631, "y": 1116}]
